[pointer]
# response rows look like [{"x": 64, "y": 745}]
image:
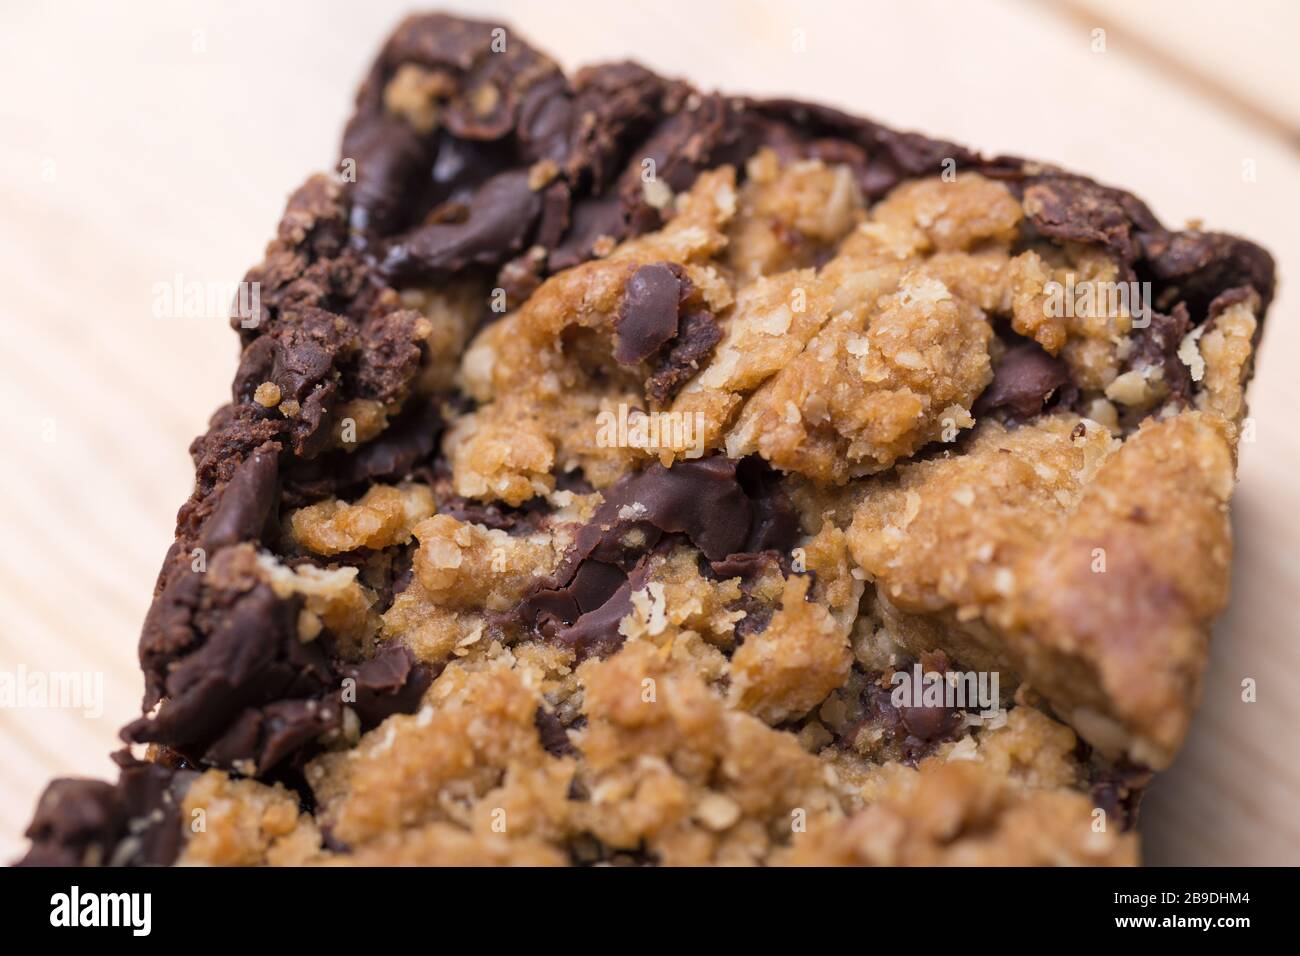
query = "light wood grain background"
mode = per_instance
[{"x": 145, "y": 140}]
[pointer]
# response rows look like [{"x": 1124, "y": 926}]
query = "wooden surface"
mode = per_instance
[{"x": 142, "y": 141}]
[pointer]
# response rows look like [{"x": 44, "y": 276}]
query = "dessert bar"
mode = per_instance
[{"x": 620, "y": 473}]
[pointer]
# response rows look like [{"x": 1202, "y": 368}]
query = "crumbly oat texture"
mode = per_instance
[{"x": 604, "y": 452}]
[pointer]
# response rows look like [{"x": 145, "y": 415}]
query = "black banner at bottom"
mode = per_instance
[{"x": 334, "y": 905}]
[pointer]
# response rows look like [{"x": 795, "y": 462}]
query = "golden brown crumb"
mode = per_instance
[
  {"x": 245, "y": 823},
  {"x": 383, "y": 516}
]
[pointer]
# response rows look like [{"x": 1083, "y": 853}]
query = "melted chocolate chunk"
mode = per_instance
[
  {"x": 318, "y": 359},
  {"x": 514, "y": 520},
  {"x": 574, "y": 481},
  {"x": 497, "y": 223},
  {"x": 484, "y": 91},
  {"x": 1195, "y": 267},
  {"x": 592, "y": 219},
  {"x": 758, "y": 615},
  {"x": 215, "y": 651},
  {"x": 387, "y": 359},
  {"x": 651, "y": 327},
  {"x": 552, "y": 734},
  {"x": 750, "y": 567},
  {"x": 696, "y": 135},
  {"x": 1118, "y": 790},
  {"x": 135, "y": 822},
  {"x": 260, "y": 738},
  {"x": 236, "y": 432},
  {"x": 595, "y": 632},
  {"x": 305, "y": 350},
  {"x": 647, "y": 317},
  {"x": 701, "y": 499},
  {"x": 745, "y": 564},
  {"x": 396, "y": 451},
  {"x": 240, "y": 690},
  {"x": 593, "y": 584},
  {"x": 247, "y": 501},
  {"x": 1074, "y": 209},
  {"x": 497, "y": 517},
  {"x": 408, "y": 442},
  {"x": 393, "y": 156},
  {"x": 929, "y": 723},
  {"x": 697, "y": 336},
  {"x": 775, "y": 523},
  {"x": 1157, "y": 346},
  {"x": 612, "y": 106},
  {"x": 1023, "y": 382},
  {"x": 721, "y": 506},
  {"x": 916, "y": 730},
  {"x": 391, "y": 682},
  {"x": 880, "y": 157}
]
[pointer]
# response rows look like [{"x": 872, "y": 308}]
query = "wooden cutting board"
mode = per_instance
[{"x": 152, "y": 140}]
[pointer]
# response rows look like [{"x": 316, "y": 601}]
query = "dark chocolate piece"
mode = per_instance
[
  {"x": 246, "y": 502},
  {"x": 497, "y": 222},
  {"x": 408, "y": 442},
  {"x": 391, "y": 682},
  {"x": 552, "y": 734},
  {"x": 1023, "y": 382},
  {"x": 240, "y": 690},
  {"x": 135, "y": 822},
  {"x": 1118, "y": 790},
  {"x": 647, "y": 318},
  {"x": 698, "y": 334},
  {"x": 721, "y": 506},
  {"x": 1157, "y": 346}
]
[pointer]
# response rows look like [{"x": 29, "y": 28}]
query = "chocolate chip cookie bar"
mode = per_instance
[{"x": 619, "y": 473}]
